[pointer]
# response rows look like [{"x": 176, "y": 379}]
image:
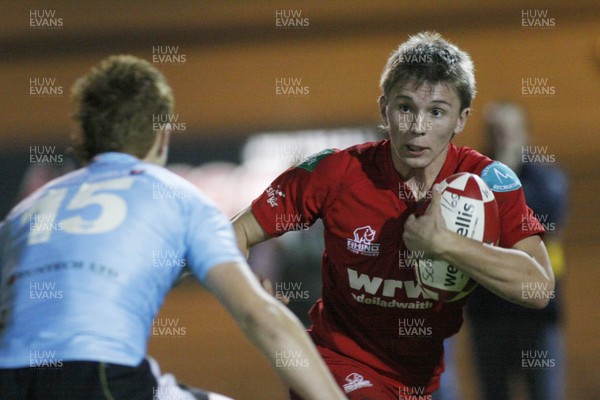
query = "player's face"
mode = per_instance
[{"x": 422, "y": 119}]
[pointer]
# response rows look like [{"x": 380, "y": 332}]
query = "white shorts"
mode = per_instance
[{"x": 169, "y": 389}]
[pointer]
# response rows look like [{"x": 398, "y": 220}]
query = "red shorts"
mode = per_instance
[{"x": 361, "y": 382}]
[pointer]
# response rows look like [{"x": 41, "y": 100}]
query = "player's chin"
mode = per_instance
[{"x": 417, "y": 162}]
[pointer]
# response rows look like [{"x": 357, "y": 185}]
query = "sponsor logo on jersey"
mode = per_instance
[
  {"x": 356, "y": 381},
  {"x": 362, "y": 243},
  {"x": 312, "y": 161},
  {"x": 273, "y": 195},
  {"x": 500, "y": 178},
  {"x": 382, "y": 292}
]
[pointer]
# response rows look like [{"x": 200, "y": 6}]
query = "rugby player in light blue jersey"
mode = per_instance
[{"x": 79, "y": 282}]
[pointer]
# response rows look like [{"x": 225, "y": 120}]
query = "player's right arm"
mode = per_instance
[
  {"x": 248, "y": 231},
  {"x": 274, "y": 330},
  {"x": 299, "y": 193}
]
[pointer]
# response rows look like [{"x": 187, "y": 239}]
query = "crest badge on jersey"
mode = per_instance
[
  {"x": 362, "y": 242},
  {"x": 500, "y": 178}
]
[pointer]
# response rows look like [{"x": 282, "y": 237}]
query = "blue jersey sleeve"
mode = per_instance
[{"x": 211, "y": 240}]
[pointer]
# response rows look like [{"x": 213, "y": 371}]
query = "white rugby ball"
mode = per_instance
[{"x": 469, "y": 209}]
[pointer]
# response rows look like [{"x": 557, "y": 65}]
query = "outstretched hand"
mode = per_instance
[{"x": 426, "y": 233}]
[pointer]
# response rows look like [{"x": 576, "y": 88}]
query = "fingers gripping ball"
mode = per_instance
[{"x": 469, "y": 209}]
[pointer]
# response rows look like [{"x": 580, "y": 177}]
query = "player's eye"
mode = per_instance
[
  {"x": 404, "y": 108},
  {"x": 437, "y": 112}
]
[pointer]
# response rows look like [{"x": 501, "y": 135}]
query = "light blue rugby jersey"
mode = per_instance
[{"x": 87, "y": 260}]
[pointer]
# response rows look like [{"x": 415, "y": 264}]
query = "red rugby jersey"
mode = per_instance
[{"x": 372, "y": 309}]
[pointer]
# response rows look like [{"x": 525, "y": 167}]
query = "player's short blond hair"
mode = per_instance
[
  {"x": 116, "y": 104},
  {"x": 428, "y": 57}
]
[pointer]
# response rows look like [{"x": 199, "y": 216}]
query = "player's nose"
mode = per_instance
[{"x": 419, "y": 126}]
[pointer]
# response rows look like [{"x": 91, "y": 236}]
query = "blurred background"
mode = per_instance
[{"x": 260, "y": 85}]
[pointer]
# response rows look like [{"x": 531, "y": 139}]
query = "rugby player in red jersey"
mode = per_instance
[{"x": 373, "y": 199}]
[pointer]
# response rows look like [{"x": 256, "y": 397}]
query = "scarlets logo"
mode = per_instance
[{"x": 362, "y": 242}]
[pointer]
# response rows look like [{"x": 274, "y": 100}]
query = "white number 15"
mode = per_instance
[{"x": 113, "y": 210}]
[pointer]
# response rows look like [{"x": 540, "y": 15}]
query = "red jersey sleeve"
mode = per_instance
[
  {"x": 295, "y": 199},
  {"x": 516, "y": 218}
]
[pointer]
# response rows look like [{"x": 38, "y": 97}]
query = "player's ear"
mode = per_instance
[
  {"x": 159, "y": 151},
  {"x": 462, "y": 120},
  {"x": 165, "y": 139},
  {"x": 382, "y": 108}
]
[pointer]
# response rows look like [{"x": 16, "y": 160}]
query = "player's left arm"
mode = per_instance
[{"x": 522, "y": 274}]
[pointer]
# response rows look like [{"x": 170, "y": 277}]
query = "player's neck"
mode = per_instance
[{"x": 420, "y": 179}]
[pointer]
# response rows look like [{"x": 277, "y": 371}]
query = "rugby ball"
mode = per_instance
[{"x": 469, "y": 209}]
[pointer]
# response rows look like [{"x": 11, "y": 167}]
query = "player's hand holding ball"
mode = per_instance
[
  {"x": 426, "y": 233},
  {"x": 462, "y": 204}
]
